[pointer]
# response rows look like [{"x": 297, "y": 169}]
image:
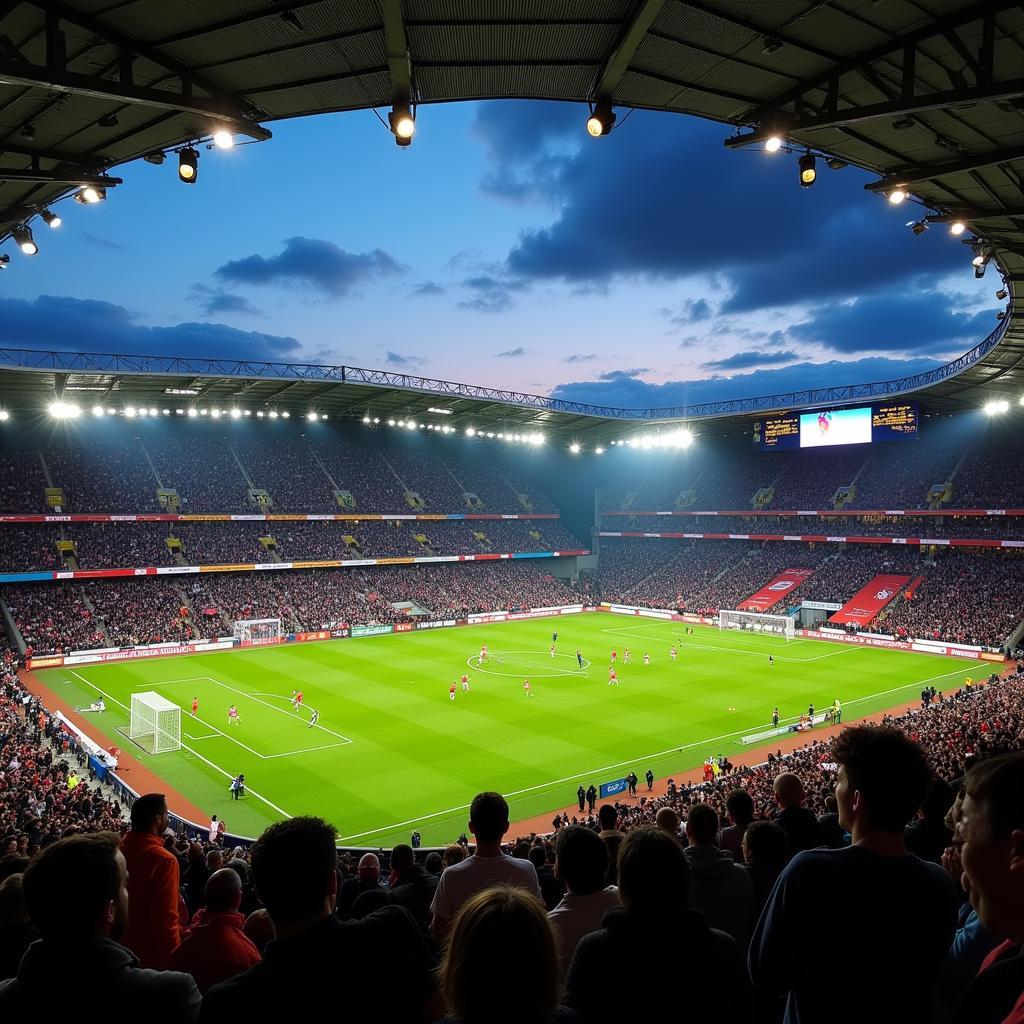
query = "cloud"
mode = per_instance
[
  {"x": 631, "y": 392},
  {"x": 313, "y": 263},
  {"x": 91, "y": 325},
  {"x": 214, "y": 300},
  {"x": 580, "y": 358},
  {"x": 513, "y": 353},
  {"x": 689, "y": 312},
  {"x": 623, "y": 374},
  {"x": 399, "y": 359},
  {"x": 104, "y": 243},
  {"x": 751, "y": 358},
  {"x": 490, "y": 294},
  {"x": 428, "y": 288}
]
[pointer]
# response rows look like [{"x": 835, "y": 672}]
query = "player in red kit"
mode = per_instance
[
  {"x": 615, "y": 655},
  {"x": 527, "y": 688},
  {"x": 451, "y": 692},
  {"x": 483, "y": 654},
  {"x": 195, "y": 706},
  {"x": 297, "y": 700},
  {"x": 465, "y": 683},
  {"x": 613, "y": 679}
]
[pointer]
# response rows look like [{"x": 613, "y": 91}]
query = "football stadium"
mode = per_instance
[{"x": 314, "y": 655}]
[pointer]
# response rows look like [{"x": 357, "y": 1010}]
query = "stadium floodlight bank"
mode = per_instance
[
  {"x": 258, "y": 631},
  {"x": 758, "y": 622},
  {"x": 155, "y": 723}
]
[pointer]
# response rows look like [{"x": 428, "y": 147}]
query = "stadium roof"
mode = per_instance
[{"x": 927, "y": 94}]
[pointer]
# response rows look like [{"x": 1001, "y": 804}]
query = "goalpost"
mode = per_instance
[
  {"x": 155, "y": 723},
  {"x": 758, "y": 622},
  {"x": 258, "y": 631}
]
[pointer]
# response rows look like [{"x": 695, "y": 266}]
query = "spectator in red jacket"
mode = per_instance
[
  {"x": 154, "y": 927},
  {"x": 216, "y": 948}
]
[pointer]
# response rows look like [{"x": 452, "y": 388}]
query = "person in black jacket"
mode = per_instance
[
  {"x": 412, "y": 887},
  {"x": 799, "y": 824},
  {"x": 591, "y": 798},
  {"x": 927, "y": 836},
  {"x": 654, "y": 884},
  {"x": 581, "y": 796}
]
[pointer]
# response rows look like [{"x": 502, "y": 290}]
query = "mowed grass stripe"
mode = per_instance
[{"x": 416, "y": 756}]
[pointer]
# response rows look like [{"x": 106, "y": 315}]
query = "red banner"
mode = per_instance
[
  {"x": 862, "y": 608},
  {"x": 772, "y": 593}
]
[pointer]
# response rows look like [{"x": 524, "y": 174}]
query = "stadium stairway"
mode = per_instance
[{"x": 96, "y": 617}]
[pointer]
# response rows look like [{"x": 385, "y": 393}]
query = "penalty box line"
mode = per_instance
[{"x": 195, "y": 753}]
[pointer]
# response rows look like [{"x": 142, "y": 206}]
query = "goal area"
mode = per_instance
[
  {"x": 155, "y": 723},
  {"x": 258, "y": 631},
  {"x": 758, "y": 622}
]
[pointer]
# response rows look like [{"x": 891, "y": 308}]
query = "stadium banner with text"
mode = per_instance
[
  {"x": 215, "y": 517},
  {"x": 883, "y": 640},
  {"x": 613, "y": 788},
  {"x": 818, "y": 538},
  {"x": 821, "y": 606},
  {"x": 372, "y": 630},
  {"x": 436, "y": 624},
  {"x": 773, "y": 592},
  {"x": 865, "y": 605}
]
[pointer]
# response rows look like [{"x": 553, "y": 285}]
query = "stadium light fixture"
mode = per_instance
[
  {"x": 411, "y": 425},
  {"x": 204, "y": 412},
  {"x": 402, "y": 121},
  {"x": 129, "y": 411},
  {"x": 167, "y": 412},
  {"x": 64, "y": 410},
  {"x": 51, "y": 219},
  {"x": 215, "y": 413},
  {"x": 89, "y": 195},
  {"x": 188, "y": 165},
  {"x": 111, "y": 412},
  {"x": 1001, "y": 294},
  {"x": 599, "y": 450},
  {"x": 808, "y": 170},
  {"x": 223, "y": 139},
  {"x": 490, "y": 433},
  {"x": 833, "y": 163},
  {"x": 4, "y": 260},
  {"x": 536, "y": 439},
  {"x": 601, "y": 120},
  {"x": 773, "y": 143},
  {"x": 97, "y": 410},
  {"x": 4, "y": 415},
  {"x": 193, "y": 412},
  {"x": 574, "y": 448},
  {"x": 247, "y": 412},
  {"x": 259, "y": 414},
  {"x": 311, "y": 416},
  {"x": 997, "y": 407},
  {"x": 1020, "y": 402},
  {"x": 957, "y": 227},
  {"x": 376, "y": 419},
  {"x": 22, "y": 235},
  {"x": 897, "y": 195},
  {"x": 286, "y": 415},
  {"x": 919, "y": 227},
  {"x": 366, "y": 420},
  {"x": 470, "y": 432},
  {"x": 236, "y": 414},
  {"x": 323, "y": 416},
  {"x": 152, "y": 411},
  {"x": 179, "y": 412}
]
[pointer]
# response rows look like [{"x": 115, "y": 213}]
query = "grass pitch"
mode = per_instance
[{"x": 392, "y": 753}]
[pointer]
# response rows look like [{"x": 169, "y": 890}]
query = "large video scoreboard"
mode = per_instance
[{"x": 828, "y": 428}]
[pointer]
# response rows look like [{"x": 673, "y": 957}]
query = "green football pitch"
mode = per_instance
[{"x": 392, "y": 753}]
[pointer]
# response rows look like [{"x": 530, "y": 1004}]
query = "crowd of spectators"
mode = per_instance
[
  {"x": 202, "y": 469},
  {"x": 101, "y": 476},
  {"x": 138, "y": 612},
  {"x": 22, "y": 483},
  {"x": 53, "y": 617}
]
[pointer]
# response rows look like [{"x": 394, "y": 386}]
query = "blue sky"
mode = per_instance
[{"x": 505, "y": 247}]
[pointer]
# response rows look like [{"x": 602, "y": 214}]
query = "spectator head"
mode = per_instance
[
  {"x": 293, "y": 869},
  {"x": 538, "y": 856},
  {"x": 223, "y": 892},
  {"x": 369, "y": 901},
  {"x": 77, "y": 888},
  {"x": 12, "y": 902},
  {"x": 488, "y": 817},
  {"x": 882, "y": 779},
  {"x": 990, "y": 835},
  {"x": 788, "y": 790},
  {"x": 764, "y": 842},
  {"x": 402, "y": 858},
  {"x": 454, "y": 853},
  {"x": 654, "y": 878},
  {"x": 607, "y": 817},
  {"x": 581, "y": 860},
  {"x": 149, "y": 814},
  {"x": 434, "y": 863},
  {"x": 368, "y": 869},
  {"x": 259, "y": 928},
  {"x": 937, "y": 801},
  {"x": 12, "y": 864},
  {"x": 702, "y": 825},
  {"x": 240, "y": 868},
  {"x": 493, "y": 929},
  {"x": 739, "y": 805},
  {"x": 214, "y": 860},
  {"x": 667, "y": 820}
]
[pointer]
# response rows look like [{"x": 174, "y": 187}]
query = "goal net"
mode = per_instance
[
  {"x": 258, "y": 631},
  {"x": 758, "y": 622},
  {"x": 155, "y": 723}
]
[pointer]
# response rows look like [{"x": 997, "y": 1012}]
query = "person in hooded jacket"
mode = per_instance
[
  {"x": 654, "y": 885},
  {"x": 412, "y": 886}
]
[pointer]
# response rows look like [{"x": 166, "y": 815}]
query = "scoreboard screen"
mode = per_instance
[{"x": 829, "y": 428}]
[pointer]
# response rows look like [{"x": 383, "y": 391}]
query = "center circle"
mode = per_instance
[{"x": 536, "y": 669}]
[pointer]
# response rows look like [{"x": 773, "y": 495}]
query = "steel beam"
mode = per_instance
[
  {"x": 644, "y": 15},
  {"x": 928, "y": 172}
]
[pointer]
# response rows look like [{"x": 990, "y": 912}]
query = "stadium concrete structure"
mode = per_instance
[{"x": 928, "y": 96}]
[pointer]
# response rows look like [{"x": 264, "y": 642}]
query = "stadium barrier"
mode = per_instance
[
  {"x": 822, "y": 538},
  {"x": 215, "y": 517}
]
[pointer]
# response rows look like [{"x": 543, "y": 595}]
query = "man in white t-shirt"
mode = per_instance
[{"x": 488, "y": 867}]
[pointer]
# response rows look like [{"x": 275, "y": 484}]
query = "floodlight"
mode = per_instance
[
  {"x": 4, "y": 415},
  {"x": 223, "y": 139},
  {"x": 602, "y": 120},
  {"x": 997, "y": 407},
  {"x": 808, "y": 170},
  {"x": 236, "y": 414},
  {"x": 97, "y": 410},
  {"x": 311, "y": 416},
  {"x": 188, "y": 165},
  {"x": 90, "y": 194},
  {"x": 193, "y": 412},
  {"x": 22, "y": 235},
  {"x": 403, "y": 123},
  {"x": 897, "y": 195},
  {"x": 470, "y": 431},
  {"x": 574, "y": 448},
  {"x": 129, "y": 411},
  {"x": 51, "y": 219},
  {"x": 773, "y": 144},
  {"x": 599, "y": 450},
  {"x": 957, "y": 227},
  {"x": 1001, "y": 294},
  {"x": 64, "y": 410},
  {"x": 285, "y": 415}
]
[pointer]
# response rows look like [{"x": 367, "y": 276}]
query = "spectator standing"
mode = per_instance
[
  {"x": 608, "y": 819},
  {"x": 901, "y": 911},
  {"x": 76, "y": 894},
  {"x": 412, "y": 887},
  {"x": 656, "y": 923},
  {"x": 367, "y": 880},
  {"x": 799, "y": 824},
  {"x": 927, "y": 835},
  {"x": 489, "y": 866},
  {"x": 215, "y": 947},
  {"x": 719, "y": 887},
  {"x": 294, "y": 866},
  {"x": 765, "y": 851},
  {"x": 154, "y": 927},
  {"x": 550, "y": 887},
  {"x": 16, "y": 930},
  {"x": 739, "y": 807},
  {"x": 581, "y": 862}
]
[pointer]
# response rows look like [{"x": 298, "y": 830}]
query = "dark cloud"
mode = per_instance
[
  {"x": 623, "y": 374},
  {"x": 313, "y": 263},
  {"x": 428, "y": 288},
  {"x": 513, "y": 353},
  {"x": 84, "y": 325},
  {"x": 580, "y": 358},
  {"x": 398, "y": 359},
  {"x": 689, "y": 312},
  {"x": 214, "y": 301},
  {"x": 631, "y": 392},
  {"x": 749, "y": 359},
  {"x": 490, "y": 294},
  {"x": 104, "y": 243}
]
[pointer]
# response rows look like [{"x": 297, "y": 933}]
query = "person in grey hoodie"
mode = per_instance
[
  {"x": 77, "y": 896},
  {"x": 719, "y": 887}
]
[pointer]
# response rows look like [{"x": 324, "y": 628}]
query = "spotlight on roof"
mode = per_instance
[
  {"x": 403, "y": 123},
  {"x": 285, "y": 415},
  {"x": 601, "y": 120},
  {"x": 808, "y": 170},
  {"x": 273, "y": 414},
  {"x": 260, "y": 414},
  {"x": 574, "y": 448},
  {"x": 773, "y": 143},
  {"x": 997, "y": 407},
  {"x": 366, "y": 419},
  {"x": 311, "y": 416},
  {"x": 4, "y": 415},
  {"x": 833, "y": 163},
  {"x": 536, "y": 439},
  {"x": 957, "y": 227},
  {"x": 155, "y": 157},
  {"x": 51, "y": 219},
  {"x": 223, "y": 139},
  {"x": 4, "y": 260},
  {"x": 22, "y": 235},
  {"x": 470, "y": 432},
  {"x": 87, "y": 195},
  {"x": 193, "y": 412},
  {"x": 897, "y": 195},
  {"x": 919, "y": 227},
  {"x": 97, "y": 410},
  {"x": 215, "y": 413},
  {"x": 1001, "y": 294},
  {"x": 770, "y": 45},
  {"x": 236, "y": 414},
  {"x": 411, "y": 425},
  {"x": 188, "y": 165},
  {"x": 599, "y": 450},
  {"x": 64, "y": 410}
]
